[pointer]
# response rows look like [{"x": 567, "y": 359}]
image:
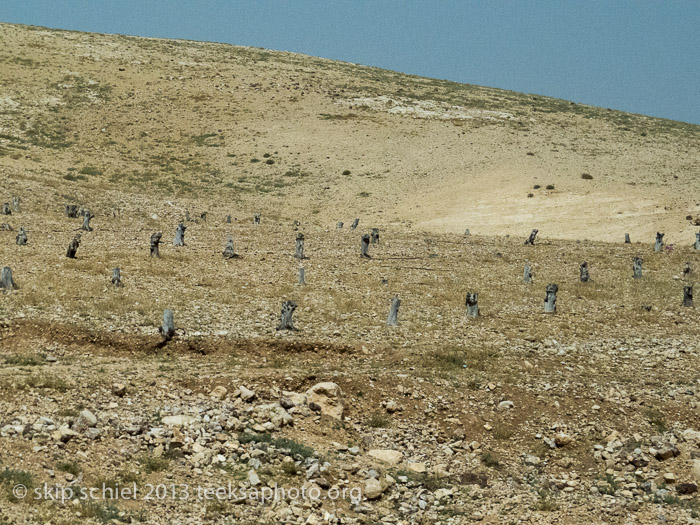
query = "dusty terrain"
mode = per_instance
[{"x": 586, "y": 415}]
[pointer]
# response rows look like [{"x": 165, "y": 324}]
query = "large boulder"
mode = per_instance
[{"x": 329, "y": 397}]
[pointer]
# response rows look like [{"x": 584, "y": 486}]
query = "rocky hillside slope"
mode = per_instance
[{"x": 313, "y": 139}]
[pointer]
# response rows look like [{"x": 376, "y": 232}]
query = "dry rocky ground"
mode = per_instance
[{"x": 589, "y": 415}]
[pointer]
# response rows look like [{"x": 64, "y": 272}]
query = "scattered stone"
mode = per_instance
[
  {"x": 443, "y": 493},
  {"x": 392, "y": 457},
  {"x": 666, "y": 451},
  {"x": 246, "y": 395},
  {"x": 532, "y": 460},
  {"x": 418, "y": 468},
  {"x": 119, "y": 389},
  {"x": 180, "y": 420},
  {"x": 218, "y": 393},
  {"x": 85, "y": 420},
  {"x": 374, "y": 489},
  {"x": 686, "y": 488},
  {"x": 562, "y": 439},
  {"x": 695, "y": 471},
  {"x": 64, "y": 434},
  {"x": 329, "y": 397},
  {"x": 286, "y": 402},
  {"x": 253, "y": 478}
]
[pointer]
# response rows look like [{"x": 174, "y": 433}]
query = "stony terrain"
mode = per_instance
[{"x": 588, "y": 415}]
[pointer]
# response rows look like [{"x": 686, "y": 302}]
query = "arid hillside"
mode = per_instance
[{"x": 302, "y": 137}]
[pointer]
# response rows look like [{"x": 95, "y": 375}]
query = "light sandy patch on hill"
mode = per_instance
[{"x": 427, "y": 109}]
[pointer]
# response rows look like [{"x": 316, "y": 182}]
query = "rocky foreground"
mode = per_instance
[{"x": 213, "y": 438}]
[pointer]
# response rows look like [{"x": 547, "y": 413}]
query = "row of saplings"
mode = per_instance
[{"x": 286, "y": 322}]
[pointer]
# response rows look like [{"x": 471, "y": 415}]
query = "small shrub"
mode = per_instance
[
  {"x": 364, "y": 194},
  {"x": 270, "y": 161},
  {"x": 73, "y": 178},
  {"x": 102, "y": 513},
  {"x": 12, "y": 477},
  {"x": 537, "y": 187},
  {"x": 450, "y": 359},
  {"x": 378, "y": 420},
  {"x": 545, "y": 501},
  {"x": 296, "y": 172},
  {"x": 549, "y": 187},
  {"x": 657, "y": 420},
  {"x": 490, "y": 460},
  {"x": 215, "y": 508},
  {"x": 346, "y": 172},
  {"x": 258, "y": 438},
  {"x": 502, "y": 433},
  {"x": 267, "y": 156},
  {"x": 434, "y": 482},
  {"x": 153, "y": 464},
  {"x": 254, "y": 160},
  {"x": 610, "y": 486},
  {"x": 290, "y": 468},
  {"x": 530, "y": 195},
  {"x": 71, "y": 467},
  {"x": 587, "y": 176},
  {"x": 90, "y": 170},
  {"x": 128, "y": 476},
  {"x": 294, "y": 447},
  {"x": 474, "y": 384}
]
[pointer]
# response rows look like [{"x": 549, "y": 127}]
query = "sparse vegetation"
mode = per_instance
[
  {"x": 449, "y": 359},
  {"x": 90, "y": 170},
  {"x": 11, "y": 477},
  {"x": 656, "y": 419},
  {"x": 70, "y": 466},
  {"x": 150, "y": 463},
  {"x": 281, "y": 443},
  {"x": 490, "y": 460},
  {"x": 378, "y": 420},
  {"x": 24, "y": 360},
  {"x": 102, "y": 512}
]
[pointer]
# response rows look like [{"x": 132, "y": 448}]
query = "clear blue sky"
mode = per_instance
[{"x": 640, "y": 56}]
